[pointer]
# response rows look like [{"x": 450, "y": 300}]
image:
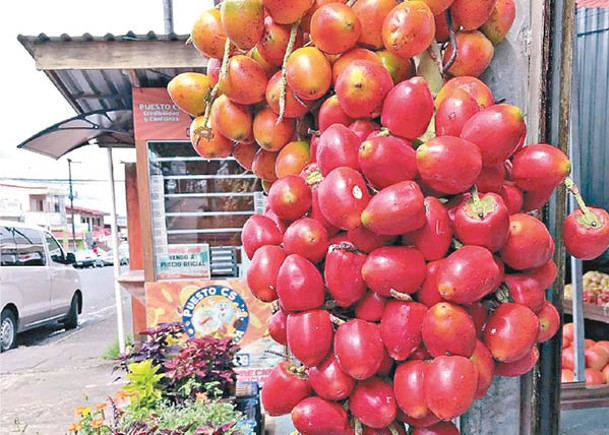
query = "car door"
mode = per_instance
[
  {"x": 31, "y": 274},
  {"x": 63, "y": 282}
]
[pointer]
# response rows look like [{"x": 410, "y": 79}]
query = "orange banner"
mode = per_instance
[
  {"x": 156, "y": 117},
  {"x": 222, "y": 308}
]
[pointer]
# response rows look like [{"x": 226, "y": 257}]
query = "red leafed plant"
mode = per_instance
[{"x": 203, "y": 363}]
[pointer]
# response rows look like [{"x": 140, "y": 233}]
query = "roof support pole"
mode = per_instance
[
  {"x": 116, "y": 258},
  {"x": 168, "y": 14}
]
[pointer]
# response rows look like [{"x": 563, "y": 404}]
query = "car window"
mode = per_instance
[
  {"x": 8, "y": 252},
  {"x": 22, "y": 247},
  {"x": 57, "y": 254}
]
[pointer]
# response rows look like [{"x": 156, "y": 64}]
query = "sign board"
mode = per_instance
[
  {"x": 222, "y": 308},
  {"x": 183, "y": 262},
  {"x": 155, "y": 116}
]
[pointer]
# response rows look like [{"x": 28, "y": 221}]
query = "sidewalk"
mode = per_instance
[{"x": 42, "y": 385}]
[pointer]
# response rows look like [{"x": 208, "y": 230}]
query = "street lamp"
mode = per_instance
[{"x": 71, "y": 197}]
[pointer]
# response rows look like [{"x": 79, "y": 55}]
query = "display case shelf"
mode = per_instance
[
  {"x": 575, "y": 395},
  {"x": 205, "y": 231},
  {"x": 209, "y": 213},
  {"x": 211, "y": 195},
  {"x": 210, "y": 177},
  {"x": 189, "y": 159},
  {"x": 591, "y": 311}
]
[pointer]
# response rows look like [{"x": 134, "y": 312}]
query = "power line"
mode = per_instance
[{"x": 57, "y": 180}]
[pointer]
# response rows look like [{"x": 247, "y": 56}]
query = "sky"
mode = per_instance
[{"x": 30, "y": 102}]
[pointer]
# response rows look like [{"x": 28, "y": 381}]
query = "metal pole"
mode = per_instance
[
  {"x": 72, "y": 204},
  {"x": 116, "y": 258},
  {"x": 548, "y": 386},
  {"x": 576, "y": 265},
  {"x": 168, "y": 14}
]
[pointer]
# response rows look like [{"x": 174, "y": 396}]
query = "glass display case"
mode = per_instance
[{"x": 196, "y": 201}]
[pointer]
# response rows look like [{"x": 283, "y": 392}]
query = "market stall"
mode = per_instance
[{"x": 186, "y": 213}]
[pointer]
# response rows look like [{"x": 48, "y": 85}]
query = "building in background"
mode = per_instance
[
  {"x": 34, "y": 204},
  {"x": 46, "y": 207}
]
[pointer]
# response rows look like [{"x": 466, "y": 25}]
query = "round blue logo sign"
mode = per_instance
[{"x": 216, "y": 310}]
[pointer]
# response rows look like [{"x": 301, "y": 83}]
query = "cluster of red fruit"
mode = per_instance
[
  {"x": 391, "y": 271},
  {"x": 398, "y": 245},
  {"x": 272, "y": 62},
  {"x": 596, "y": 356}
]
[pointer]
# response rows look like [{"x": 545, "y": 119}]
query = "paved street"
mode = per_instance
[{"x": 53, "y": 370}]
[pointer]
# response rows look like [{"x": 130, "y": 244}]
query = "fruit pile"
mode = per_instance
[
  {"x": 397, "y": 242},
  {"x": 596, "y": 355},
  {"x": 596, "y": 288}
]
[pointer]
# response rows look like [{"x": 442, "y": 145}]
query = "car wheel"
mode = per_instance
[
  {"x": 71, "y": 321},
  {"x": 8, "y": 330}
]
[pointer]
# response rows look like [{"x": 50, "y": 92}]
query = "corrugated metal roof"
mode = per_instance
[
  {"x": 592, "y": 134},
  {"x": 89, "y": 90}
]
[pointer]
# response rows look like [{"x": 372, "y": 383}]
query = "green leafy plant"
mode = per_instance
[
  {"x": 193, "y": 417},
  {"x": 143, "y": 386},
  {"x": 112, "y": 352}
]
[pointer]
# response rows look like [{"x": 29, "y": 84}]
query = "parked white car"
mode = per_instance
[
  {"x": 38, "y": 285},
  {"x": 87, "y": 258},
  {"x": 108, "y": 257}
]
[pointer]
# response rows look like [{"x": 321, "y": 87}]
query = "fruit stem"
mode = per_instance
[
  {"x": 314, "y": 178},
  {"x": 350, "y": 3},
  {"x": 284, "y": 70},
  {"x": 503, "y": 294},
  {"x": 359, "y": 430},
  {"x": 282, "y": 355},
  {"x": 453, "y": 42},
  {"x": 330, "y": 304},
  {"x": 384, "y": 132},
  {"x": 343, "y": 246},
  {"x": 589, "y": 217},
  {"x": 336, "y": 320},
  {"x": 478, "y": 208},
  {"x": 275, "y": 306},
  {"x": 400, "y": 296},
  {"x": 393, "y": 430},
  {"x": 212, "y": 95},
  {"x": 456, "y": 244}
]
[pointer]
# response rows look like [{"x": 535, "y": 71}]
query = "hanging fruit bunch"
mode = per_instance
[{"x": 397, "y": 243}]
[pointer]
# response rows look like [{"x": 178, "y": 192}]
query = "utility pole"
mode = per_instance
[{"x": 72, "y": 204}]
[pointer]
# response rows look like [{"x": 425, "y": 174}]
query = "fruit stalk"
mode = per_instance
[
  {"x": 282, "y": 355},
  {"x": 350, "y": 3},
  {"x": 336, "y": 320},
  {"x": 400, "y": 296},
  {"x": 359, "y": 430},
  {"x": 212, "y": 95},
  {"x": 589, "y": 217},
  {"x": 284, "y": 70},
  {"x": 478, "y": 207},
  {"x": 453, "y": 42}
]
